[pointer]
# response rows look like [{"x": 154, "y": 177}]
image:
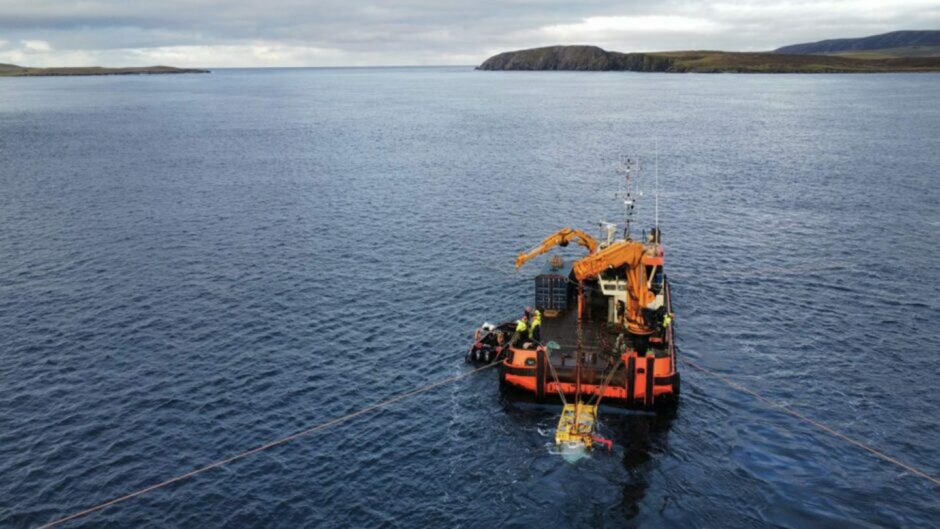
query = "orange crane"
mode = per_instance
[
  {"x": 630, "y": 255},
  {"x": 560, "y": 238}
]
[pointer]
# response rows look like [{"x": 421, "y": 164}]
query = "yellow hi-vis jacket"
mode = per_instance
[
  {"x": 536, "y": 321},
  {"x": 520, "y": 326}
]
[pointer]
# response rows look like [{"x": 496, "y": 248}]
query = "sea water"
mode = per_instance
[{"x": 194, "y": 265}]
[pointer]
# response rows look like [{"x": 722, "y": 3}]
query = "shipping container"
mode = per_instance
[{"x": 551, "y": 292}]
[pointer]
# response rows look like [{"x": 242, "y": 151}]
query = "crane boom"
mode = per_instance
[
  {"x": 629, "y": 256},
  {"x": 560, "y": 238},
  {"x": 623, "y": 253}
]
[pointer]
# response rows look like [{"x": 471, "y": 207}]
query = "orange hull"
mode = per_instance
[
  {"x": 526, "y": 369},
  {"x": 631, "y": 384}
]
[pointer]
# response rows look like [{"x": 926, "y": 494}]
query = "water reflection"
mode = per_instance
[{"x": 640, "y": 436}]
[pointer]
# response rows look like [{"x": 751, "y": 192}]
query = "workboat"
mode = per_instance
[{"x": 606, "y": 326}]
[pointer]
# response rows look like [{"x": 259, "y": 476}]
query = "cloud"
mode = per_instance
[
  {"x": 36, "y": 45},
  {"x": 380, "y": 32},
  {"x": 592, "y": 26},
  {"x": 629, "y": 33},
  {"x": 236, "y": 55}
]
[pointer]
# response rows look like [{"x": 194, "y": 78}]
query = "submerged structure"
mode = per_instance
[{"x": 602, "y": 330}]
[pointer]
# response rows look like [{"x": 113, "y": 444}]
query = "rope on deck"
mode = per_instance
[
  {"x": 272, "y": 444},
  {"x": 877, "y": 453}
]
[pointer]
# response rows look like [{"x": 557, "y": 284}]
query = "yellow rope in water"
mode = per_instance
[
  {"x": 817, "y": 424},
  {"x": 264, "y": 447}
]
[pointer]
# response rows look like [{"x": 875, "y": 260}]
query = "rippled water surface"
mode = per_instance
[{"x": 191, "y": 266}]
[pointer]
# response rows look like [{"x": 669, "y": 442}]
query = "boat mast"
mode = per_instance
[
  {"x": 656, "y": 185},
  {"x": 630, "y": 193}
]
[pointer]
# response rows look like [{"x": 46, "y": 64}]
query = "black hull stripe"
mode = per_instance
[
  {"x": 664, "y": 381},
  {"x": 531, "y": 372},
  {"x": 519, "y": 371},
  {"x": 631, "y": 379}
]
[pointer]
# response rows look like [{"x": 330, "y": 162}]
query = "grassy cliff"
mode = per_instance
[
  {"x": 597, "y": 59},
  {"x": 718, "y": 61}
]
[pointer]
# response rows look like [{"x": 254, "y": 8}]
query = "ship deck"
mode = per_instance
[{"x": 597, "y": 345}]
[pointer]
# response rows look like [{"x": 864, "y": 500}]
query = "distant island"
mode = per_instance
[
  {"x": 894, "y": 44},
  {"x": 906, "y": 51},
  {"x": 12, "y": 70}
]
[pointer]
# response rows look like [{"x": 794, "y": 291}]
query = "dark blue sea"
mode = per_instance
[{"x": 194, "y": 265}]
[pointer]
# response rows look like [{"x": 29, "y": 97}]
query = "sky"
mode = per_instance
[{"x": 249, "y": 33}]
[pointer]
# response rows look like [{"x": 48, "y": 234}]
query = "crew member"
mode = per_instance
[
  {"x": 535, "y": 329},
  {"x": 522, "y": 326},
  {"x": 667, "y": 321}
]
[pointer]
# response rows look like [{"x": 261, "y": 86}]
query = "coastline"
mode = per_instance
[
  {"x": 593, "y": 58},
  {"x": 13, "y": 70}
]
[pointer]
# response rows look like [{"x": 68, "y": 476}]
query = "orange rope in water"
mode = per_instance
[
  {"x": 817, "y": 424},
  {"x": 264, "y": 447}
]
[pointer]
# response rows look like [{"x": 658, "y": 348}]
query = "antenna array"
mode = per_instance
[{"x": 629, "y": 168}]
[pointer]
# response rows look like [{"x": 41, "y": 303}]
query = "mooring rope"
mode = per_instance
[
  {"x": 264, "y": 447},
  {"x": 554, "y": 373},
  {"x": 423, "y": 389},
  {"x": 881, "y": 455}
]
